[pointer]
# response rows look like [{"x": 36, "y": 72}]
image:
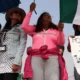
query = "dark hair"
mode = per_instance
[
  {"x": 39, "y": 25},
  {"x": 75, "y": 27},
  {"x": 7, "y": 26}
]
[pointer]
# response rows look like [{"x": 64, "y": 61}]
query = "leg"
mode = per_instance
[
  {"x": 37, "y": 66},
  {"x": 10, "y": 76},
  {"x": 52, "y": 68}
]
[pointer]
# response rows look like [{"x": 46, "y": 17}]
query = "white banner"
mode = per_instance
[{"x": 75, "y": 51}]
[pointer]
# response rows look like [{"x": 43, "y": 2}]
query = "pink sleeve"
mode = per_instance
[
  {"x": 61, "y": 38},
  {"x": 29, "y": 29}
]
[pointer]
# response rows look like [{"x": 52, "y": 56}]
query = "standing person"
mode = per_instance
[
  {"x": 13, "y": 42},
  {"x": 44, "y": 57},
  {"x": 76, "y": 33}
]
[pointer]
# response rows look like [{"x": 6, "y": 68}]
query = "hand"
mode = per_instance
[
  {"x": 60, "y": 51},
  {"x": 15, "y": 67},
  {"x": 60, "y": 26},
  {"x": 32, "y": 7}
]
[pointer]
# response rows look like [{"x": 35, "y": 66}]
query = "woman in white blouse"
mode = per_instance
[{"x": 13, "y": 43}]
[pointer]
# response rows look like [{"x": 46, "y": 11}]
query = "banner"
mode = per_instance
[{"x": 75, "y": 51}]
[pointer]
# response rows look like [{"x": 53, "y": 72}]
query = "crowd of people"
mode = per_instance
[{"x": 45, "y": 57}]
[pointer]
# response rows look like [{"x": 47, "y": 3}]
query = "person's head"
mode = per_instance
[
  {"x": 45, "y": 18},
  {"x": 44, "y": 22},
  {"x": 76, "y": 29},
  {"x": 15, "y": 14},
  {"x": 16, "y": 17}
]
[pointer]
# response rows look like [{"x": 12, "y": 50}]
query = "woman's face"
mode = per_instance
[
  {"x": 16, "y": 16},
  {"x": 46, "y": 20},
  {"x": 79, "y": 27}
]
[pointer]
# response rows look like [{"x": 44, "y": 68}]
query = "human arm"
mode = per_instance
[
  {"x": 18, "y": 57},
  {"x": 25, "y": 25},
  {"x": 69, "y": 46},
  {"x": 61, "y": 38}
]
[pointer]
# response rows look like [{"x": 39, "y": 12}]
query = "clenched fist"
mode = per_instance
[
  {"x": 60, "y": 26},
  {"x": 32, "y": 7}
]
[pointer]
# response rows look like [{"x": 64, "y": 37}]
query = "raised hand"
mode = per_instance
[
  {"x": 60, "y": 26},
  {"x": 32, "y": 7}
]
